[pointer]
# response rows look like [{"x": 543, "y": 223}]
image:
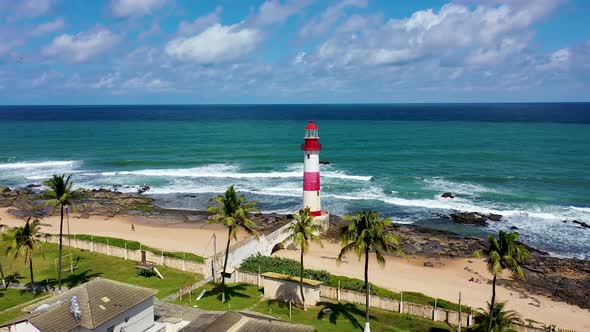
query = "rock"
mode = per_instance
[
  {"x": 4, "y": 189},
  {"x": 33, "y": 185},
  {"x": 428, "y": 264},
  {"x": 494, "y": 217},
  {"x": 143, "y": 188},
  {"x": 5, "y": 203},
  {"x": 291, "y": 246},
  {"x": 581, "y": 223},
  {"x": 324, "y": 162},
  {"x": 447, "y": 195},
  {"x": 513, "y": 227},
  {"x": 470, "y": 218}
]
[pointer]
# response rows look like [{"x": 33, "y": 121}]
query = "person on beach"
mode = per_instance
[{"x": 132, "y": 227}]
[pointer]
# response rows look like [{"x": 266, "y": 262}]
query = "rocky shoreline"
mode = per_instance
[{"x": 562, "y": 279}]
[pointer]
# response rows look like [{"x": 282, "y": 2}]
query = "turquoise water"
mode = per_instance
[{"x": 536, "y": 174}]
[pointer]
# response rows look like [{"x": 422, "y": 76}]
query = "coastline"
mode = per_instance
[{"x": 106, "y": 213}]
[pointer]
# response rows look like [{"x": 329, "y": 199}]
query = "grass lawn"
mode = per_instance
[
  {"x": 89, "y": 265},
  {"x": 238, "y": 297},
  {"x": 345, "y": 316}
]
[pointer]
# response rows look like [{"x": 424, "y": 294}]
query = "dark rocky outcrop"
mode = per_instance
[
  {"x": 143, "y": 188},
  {"x": 470, "y": 218},
  {"x": 324, "y": 162},
  {"x": 495, "y": 217},
  {"x": 428, "y": 264},
  {"x": 581, "y": 223},
  {"x": 4, "y": 189},
  {"x": 447, "y": 195},
  {"x": 34, "y": 185},
  {"x": 513, "y": 227}
]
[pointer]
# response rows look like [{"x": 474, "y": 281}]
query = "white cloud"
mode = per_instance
[
  {"x": 201, "y": 23},
  {"x": 48, "y": 27},
  {"x": 299, "y": 58},
  {"x": 216, "y": 44},
  {"x": 33, "y": 8},
  {"x": 107, "y": 81},
  {"x": 485, "y": 35},
  {"x": 81, "y": 46},
  {"x": 320, "y": 25},
  {"x": 147, "y": 82},
  {"x": 127, "y": 8},
  {"x": 273, "y": 11}
]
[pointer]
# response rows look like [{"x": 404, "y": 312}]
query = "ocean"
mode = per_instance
[{"x": 527, "y": 162}]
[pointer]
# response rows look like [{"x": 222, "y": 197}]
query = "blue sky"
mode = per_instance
[{"x": 293, "y": 51}]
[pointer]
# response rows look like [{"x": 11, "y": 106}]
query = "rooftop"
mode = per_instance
[
  {"x": 99, "y": 300},
  {"x": 286, "y": 277}
]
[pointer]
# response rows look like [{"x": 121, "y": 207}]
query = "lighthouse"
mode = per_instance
[{"x": 311, "y": 170}]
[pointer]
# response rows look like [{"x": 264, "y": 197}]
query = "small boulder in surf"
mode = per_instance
[{"x": 447, "y": 195}]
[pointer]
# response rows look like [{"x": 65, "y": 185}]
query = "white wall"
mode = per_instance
[
  {"x": 22, "y": 327},
  {"x": 313, "y": 163}
]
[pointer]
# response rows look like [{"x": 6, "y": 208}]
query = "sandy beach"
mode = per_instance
[
  {"x": 445, "y": 280},
  {"x": 164, "y": 234}
]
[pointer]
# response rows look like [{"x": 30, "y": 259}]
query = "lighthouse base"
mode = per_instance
[{"x": 323, "y": 220}]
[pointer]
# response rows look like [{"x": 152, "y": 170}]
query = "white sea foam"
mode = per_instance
[
  {"x": 42, "y": 164},
  {"x": 442, "y": 185},
  {"x": 226, "y": 171}
]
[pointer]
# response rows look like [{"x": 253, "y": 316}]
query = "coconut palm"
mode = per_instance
[
  {"x": 59, "y": 196},
  {"x": 502, "y": 320},
  {"x": 232, "y": 212},
  {"x": 301, "y": 232},
  {"x": 364, "y": 234},
  {"x": 502, "y": 253},
  {"x": 1, "y": 270},
  {"x": 26, "y": 239}
]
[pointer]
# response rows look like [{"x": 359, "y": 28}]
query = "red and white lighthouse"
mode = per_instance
[{"x": 311, "y": 170}]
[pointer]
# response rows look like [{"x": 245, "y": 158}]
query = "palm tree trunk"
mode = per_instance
[
  {"x": 225, "y": 265},
  {"x": 492, "y": 304},
  {"x": 61, "y": 225},
  {"x": 367, "y": 324},
  {"x": 31, "y": 270},
  {"x": 301, "y": 282},
  {"x": 2, "y": 276}
]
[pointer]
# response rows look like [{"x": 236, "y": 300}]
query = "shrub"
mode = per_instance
[{"x": 134, "y": 245}]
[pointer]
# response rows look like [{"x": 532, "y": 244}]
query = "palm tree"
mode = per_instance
[
  {"x": 502, "y": 253},
  {"x": 1, "y": 270},
  {"x": 59, "y": 195},
  {"x": 503, "y": 320},
  {"x": 26, "y": 239},
  {"x": 232, "y": 212},
  {"x": 301, "y": 232},
  {"x": 364, "y": 234}
]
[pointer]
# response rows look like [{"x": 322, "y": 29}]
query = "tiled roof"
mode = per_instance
[{"x": 99, "y": 299}]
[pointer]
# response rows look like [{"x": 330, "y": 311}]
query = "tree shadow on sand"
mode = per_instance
[
  {"x": 349, "y": 311},
  {"x": 230, "y": 292}
]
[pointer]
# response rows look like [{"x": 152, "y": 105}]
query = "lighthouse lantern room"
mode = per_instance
[{"x": 311, "y": 170}]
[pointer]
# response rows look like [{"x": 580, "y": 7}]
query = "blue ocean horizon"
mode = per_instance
[{"x": 527, "y": 161}]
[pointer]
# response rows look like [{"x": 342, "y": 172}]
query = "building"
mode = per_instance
[
  {"x": 235, "y": 321},
  {"x": 311, "y": 175},
  {"x": 100, "y": 305}
]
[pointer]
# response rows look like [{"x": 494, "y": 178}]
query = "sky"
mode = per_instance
[{"x": 293, "y": 51}]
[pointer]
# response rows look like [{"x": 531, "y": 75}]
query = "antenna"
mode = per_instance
[{"x": 75, "y": 308}]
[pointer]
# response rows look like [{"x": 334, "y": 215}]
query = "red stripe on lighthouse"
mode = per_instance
[{"x": 311, "y": 181}]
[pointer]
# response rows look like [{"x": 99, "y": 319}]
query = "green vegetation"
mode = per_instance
[
  {"x": 504, "y": 320},
  {"x": 238, "y": 297},
  {"x": 26, "y": 240},
  {"x": 232, "y": 212},
  {"x": 12, "y": 297},
  {"x": 135, "y": 245},
  {"x": 301, "y": 232},
  {"x": 87, "y": 266},
  {"x": 343, "y": 318},
  {"x": 347, "y": 317},
  {"x": 291, "y": 267},
  {"x": 59, "y": 194},
  {"x": 364, "y": 235},
  {"x": 502, "y": 253}
]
